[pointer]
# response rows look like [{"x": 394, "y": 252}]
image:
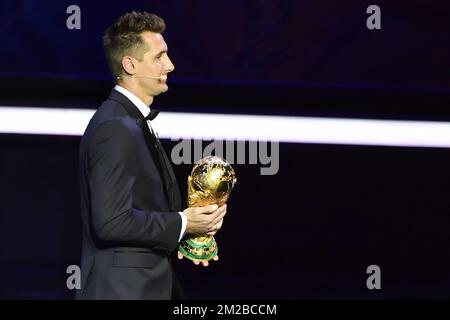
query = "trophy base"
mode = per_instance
[{"x": 199, "y": 248}]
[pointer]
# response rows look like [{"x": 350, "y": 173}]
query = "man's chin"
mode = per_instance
[{"x": 162, "y": 90}]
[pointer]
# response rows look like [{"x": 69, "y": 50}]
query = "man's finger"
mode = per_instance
[
  {"x": 216, "y": 258},
  {"x": 205, "y": 263},
  {"x": 196, "y": 262},
  {"x": 217, "y": 221},
  {"x": 222, "y": 210},
  {"x": 180, "y": 255}
]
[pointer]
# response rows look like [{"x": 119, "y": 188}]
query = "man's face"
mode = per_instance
[{"x": 155, "y": 63}]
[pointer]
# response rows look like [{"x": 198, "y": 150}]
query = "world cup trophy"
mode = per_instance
[{"x": 210, "y": 182}]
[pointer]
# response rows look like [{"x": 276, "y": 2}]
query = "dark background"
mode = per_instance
[{"x": 308, "y": 232}]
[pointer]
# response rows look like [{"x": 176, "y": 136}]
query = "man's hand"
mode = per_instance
[
  {"x": 196, "y": 262},
  {"x": 204, "y": 220}
]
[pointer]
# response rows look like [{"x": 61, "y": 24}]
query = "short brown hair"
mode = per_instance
[{"x": 124, "y": 37}]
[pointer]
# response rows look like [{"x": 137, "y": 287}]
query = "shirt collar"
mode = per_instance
[{"x": 143, "y": 108}]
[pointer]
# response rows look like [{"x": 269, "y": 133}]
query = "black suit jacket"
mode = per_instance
[{"x": 130, "y": 202}]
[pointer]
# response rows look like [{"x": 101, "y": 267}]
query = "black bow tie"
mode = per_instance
[{"x": 152, "y": 115}]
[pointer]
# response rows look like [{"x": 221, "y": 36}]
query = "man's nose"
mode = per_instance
[{"x": 169, "y": 67}]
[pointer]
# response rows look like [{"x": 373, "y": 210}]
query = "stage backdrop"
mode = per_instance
[
  {"x": 308, "y": 232},
  {"x": 288, "y": 41},
  {"x": 311, "y": 230}
]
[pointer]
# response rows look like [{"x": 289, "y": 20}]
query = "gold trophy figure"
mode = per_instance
[{"x": 210, "y": 182}]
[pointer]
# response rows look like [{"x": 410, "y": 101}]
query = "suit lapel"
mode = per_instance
[
  {"x": 156, "y": 150},
  {"x": 173, "y": 185}
]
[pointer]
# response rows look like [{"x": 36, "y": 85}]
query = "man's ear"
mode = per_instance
[{"x": 128, "y": 65}]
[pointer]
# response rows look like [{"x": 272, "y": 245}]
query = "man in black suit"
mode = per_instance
[{"x": 129, "y": 195}]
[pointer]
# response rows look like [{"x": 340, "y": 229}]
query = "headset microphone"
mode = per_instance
[{"x": 162, "y": 78}]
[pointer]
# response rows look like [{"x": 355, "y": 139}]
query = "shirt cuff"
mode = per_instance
[{"x": 183, "y": 225}]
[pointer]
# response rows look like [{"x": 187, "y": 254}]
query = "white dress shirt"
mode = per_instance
[{"x": 144, "y": 109}]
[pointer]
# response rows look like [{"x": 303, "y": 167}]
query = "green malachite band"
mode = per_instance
[
  {"x": 198, "y": 245},
  {"x": 193, "y": 256}
]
